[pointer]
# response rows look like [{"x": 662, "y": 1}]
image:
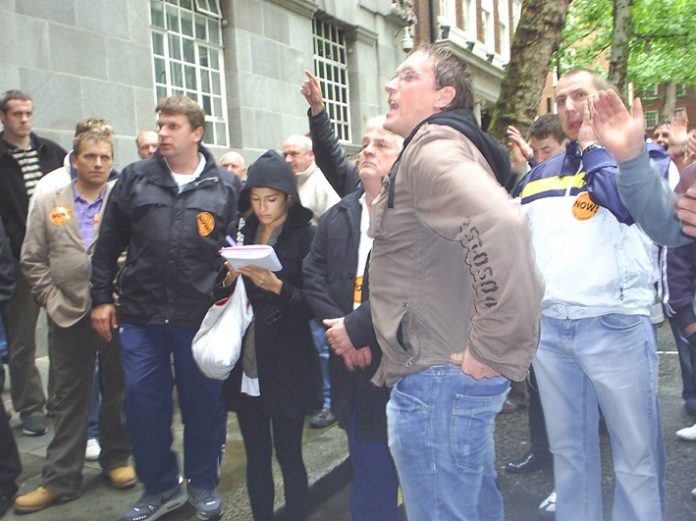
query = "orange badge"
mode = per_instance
[
  {"x": 95, "y": 221},
  {"x": 60, "y": 215},
  {"x": 584, "y": 208},
  {"x": 206, "y": 223}
]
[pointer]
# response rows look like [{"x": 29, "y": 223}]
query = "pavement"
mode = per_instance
[{"x": 325, "y": 454}]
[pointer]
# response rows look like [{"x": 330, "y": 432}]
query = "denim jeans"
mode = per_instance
[
  {"x": 441, "y": 425},
  {"x": 610, "y": 361},
  {"x": 322, "y": 347}
]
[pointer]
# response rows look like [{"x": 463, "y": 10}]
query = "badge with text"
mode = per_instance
[
  {"x": 357, "y": 290},
  {"x": 60, "y": 215},
  {"x": 584, "y": 208},
  {"x": 206, "y": 223}
]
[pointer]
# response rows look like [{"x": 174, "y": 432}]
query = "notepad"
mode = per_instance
[{"x": 260, "y": 255}]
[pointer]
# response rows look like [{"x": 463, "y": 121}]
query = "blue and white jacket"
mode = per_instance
[{"x": 593, "y": 258}]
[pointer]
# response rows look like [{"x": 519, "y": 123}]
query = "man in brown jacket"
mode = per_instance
[
  {"x": 454, "y": 290},
  {"x": 56, "y": 261}
]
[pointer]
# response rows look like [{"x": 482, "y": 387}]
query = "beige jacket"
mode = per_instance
[
  {"x": 54, "y": 258},
  {"x": 451, "y": 266}
]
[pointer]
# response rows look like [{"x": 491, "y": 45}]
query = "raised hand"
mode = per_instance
[
  {"x": 621, "y": 133},
  {"x": 311, "y": 90}
]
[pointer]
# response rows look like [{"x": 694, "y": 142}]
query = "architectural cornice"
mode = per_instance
[
  {"x": 365, "y": 35},
  {"x": 306, "y": 8}
]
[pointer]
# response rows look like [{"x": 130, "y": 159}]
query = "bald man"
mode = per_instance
[
  {"x": 147, "y": 142},
  {"x": 234, "y": 162}
]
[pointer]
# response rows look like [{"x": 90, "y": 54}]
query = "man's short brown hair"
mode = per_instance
[
  {"x": 545, "y": 126},
  {"x": 10, "y": 95},
  {"x": 179, "y": 104},
  {"x": 95, "y": 124},
  {"x": 92, "y": 135},
  {"x": 599, "y": 81},
  {"x": 450, "y": 71}
]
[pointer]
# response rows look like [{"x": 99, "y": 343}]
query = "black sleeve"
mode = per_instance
[
  {"x": 315, "y": 275},
  {"x": 358, "y": 325},
  {"x": 330, "y": 157},
  {"x": 114, "y": 236},
  {"x": 7, "y": 267}
]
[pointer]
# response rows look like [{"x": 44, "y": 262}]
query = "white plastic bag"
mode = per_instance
[{"x": 218, "y": 343}]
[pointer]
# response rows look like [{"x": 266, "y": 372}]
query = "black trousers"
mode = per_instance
[
  {"x": 10, "y": 466},
  {"x": 260, "y": 434}
]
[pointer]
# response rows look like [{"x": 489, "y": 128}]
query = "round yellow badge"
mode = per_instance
[
  {"x": 60, "y": 215},
  {"x": 584, "y": 208},
  {"x": 206, "y": 223}
]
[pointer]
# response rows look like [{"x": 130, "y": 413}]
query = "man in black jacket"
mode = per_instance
[
  {"x": 173, "y": 212},
  {"x": 10, "y": 466},
  {"x": 24, "y": 159},
  {"x": 333, "y": 274}
]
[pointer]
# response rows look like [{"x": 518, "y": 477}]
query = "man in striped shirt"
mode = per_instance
[{"x": 24, "y": 159}]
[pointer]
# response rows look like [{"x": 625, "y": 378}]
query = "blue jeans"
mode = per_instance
[
  {"x": 93, "y": 419},
  {"x": 322, "y": 347},
  {"x": 441, "y": 425},
  {"x": 610, "y": 361},
  {"x": 146, "y": 359}
]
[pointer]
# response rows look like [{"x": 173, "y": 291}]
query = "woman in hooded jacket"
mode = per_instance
[{"x": 276, "y": 381}]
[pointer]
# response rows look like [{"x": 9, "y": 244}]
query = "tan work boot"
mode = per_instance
[
  {"x": 38, "y": 499},
  {"x": 121, "y": 477}
]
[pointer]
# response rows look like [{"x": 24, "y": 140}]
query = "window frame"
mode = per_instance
[
  {"x": 188, "y": 59},
  {"x": 646, "y": 114},
  {"x": 335, "y": 86}
]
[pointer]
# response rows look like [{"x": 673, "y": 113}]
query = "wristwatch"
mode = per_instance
[{"x": 589, "y": 147}]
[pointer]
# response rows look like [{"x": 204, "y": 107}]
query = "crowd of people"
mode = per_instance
[{"x": 418, "y": 280}]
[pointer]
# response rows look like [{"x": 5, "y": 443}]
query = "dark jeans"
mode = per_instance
[
  {"x": 256, "y": 430},
  {"x": 146, "y": 358},
  {"x": 538, "y": 439},
  {"x": 10, "y": 466},
  {"x": 373, "y": 494},
  {"x": 687, "y": 363}
]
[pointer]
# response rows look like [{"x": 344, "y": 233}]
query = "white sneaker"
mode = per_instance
[
  {"x": 92, "y": 450},
  {"x": 687, "y": 433},
  {"x": 547, "y": 508}
]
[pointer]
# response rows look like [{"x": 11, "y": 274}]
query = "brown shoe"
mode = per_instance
[
  {"x": 121, "y": 477},
  {"x": 38, "y": 499}
]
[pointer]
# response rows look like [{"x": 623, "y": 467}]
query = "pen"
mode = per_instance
[{"x": 230, "y": 240}]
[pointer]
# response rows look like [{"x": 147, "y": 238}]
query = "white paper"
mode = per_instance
[{"x": 260, "y": 255}]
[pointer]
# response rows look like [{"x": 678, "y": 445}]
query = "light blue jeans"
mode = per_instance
[
  {"x": 610, "y": 361},
  {"x": 441, "y": 425}
]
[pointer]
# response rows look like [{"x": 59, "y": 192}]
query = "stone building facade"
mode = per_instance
[{"x": 243, "y": 60}]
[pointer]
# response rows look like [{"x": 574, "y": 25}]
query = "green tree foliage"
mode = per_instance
[{"x": 662, "y": 46}]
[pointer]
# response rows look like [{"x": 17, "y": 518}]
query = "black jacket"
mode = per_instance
[
  {"x": 330, "y": 157},
  {"x": 173, "y": 242},
  {"x": 14, "y": 201},
  {"x": 329, "y": 273},
  {"x": 286, "y": 359},
  {"x": 7, "y": 267}
]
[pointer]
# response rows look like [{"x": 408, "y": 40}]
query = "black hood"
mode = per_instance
[
  {"x": 465, "y": 122},
  {"x": 270, "y": 170}
]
